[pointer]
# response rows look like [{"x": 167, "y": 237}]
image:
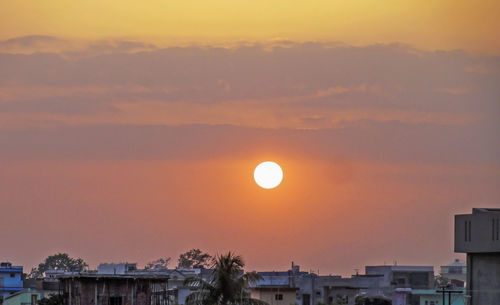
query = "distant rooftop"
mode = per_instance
[
  {"x": 93, "y": 275},
  {"x": 8, "y": 266},
  {"x": 455, "y": 263},
  {"x": 401, "y": 268}
]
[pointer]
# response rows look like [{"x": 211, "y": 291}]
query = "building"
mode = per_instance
[
  {"x": 275, "y": 288},
  {"x": 478, "y": 235},
  {"x": 10, "y": 280},
  {"x": 310, "y": 287},
  {"x": 178, "y": 291},
  {"x": 397, "y": 282},
  {"x": 435, "y": 297},
  {"x": 114, "y": 289},
  {"x": 24, "y": 297},
  {"x": 347, "y": 289},
  {"x": 49, "y": 284},
  {"x": 455, "y": 272},
  {"x": 275, "y": 295}
]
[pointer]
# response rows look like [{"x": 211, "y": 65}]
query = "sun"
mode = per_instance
[{"x": 268, "y": 175}]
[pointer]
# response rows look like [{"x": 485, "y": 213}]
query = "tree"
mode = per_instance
[
  {"x": 55, "y": 299},
  {"x": 228, "y": 284},
  {"x": 59, "y": 261},
  {"x": 441, "y": 281},
  {"x": 339, "y": 301},
  {"x": 194, "y": 259},
  {"x": 159, "y": 264}
]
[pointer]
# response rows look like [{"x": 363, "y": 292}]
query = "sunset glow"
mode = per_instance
[{"x": 143, "y": 127}]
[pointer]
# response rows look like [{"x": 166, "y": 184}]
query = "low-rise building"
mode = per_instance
[
  {"x": 275, "y": 288},
  {"x": 10, "y": 280},
  {"x": 435, "y": 297},
  {"x": 346, "y": 289},
  {"x": 114, "y": 289},
  {"x": 478, "y": 235},
  {"x": 398, "y": 282},
  {"x": 178, "y": 290},
  {"x": 24, "y": 297},
  {"x": 275, "y": 295},
  {"x": 455, "y": 272}
]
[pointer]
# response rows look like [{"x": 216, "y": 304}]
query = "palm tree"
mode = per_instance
[{"x": 228, "y": 284}]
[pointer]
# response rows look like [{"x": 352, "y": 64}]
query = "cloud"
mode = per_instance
[
  {"x": 381, "y": 142},
  {"x": 70, "y": 48},
  {"x": 283, "y": 83},
  {"x": 30, "y": 41}
]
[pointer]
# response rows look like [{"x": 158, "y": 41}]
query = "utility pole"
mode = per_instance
[{"x": 449, "y": 291}]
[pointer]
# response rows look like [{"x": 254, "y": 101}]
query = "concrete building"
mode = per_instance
[
  {"x": 120, "y": 268},
  {"x": 275, "y": 295},
  {"x": 455, "y": 272},
  {"x": 178, "y": 291},
  {"x": 398, "y": 282},
  {"x": 309, "y": 285},
  {"x": 24, "y": 297},
  {"x": 478, "y": 235},
  {"x": 346, "y": 289},
  {"x": 114, "y": 289},
  {"x": 275, "y": 288},
  {"x": 433, "y": 297},
  {"x": 10, "y": 280}
]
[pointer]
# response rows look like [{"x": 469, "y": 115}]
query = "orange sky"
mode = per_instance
[
  {"x": 444, "y": 24},
  {"x": 129, "y": 130}
]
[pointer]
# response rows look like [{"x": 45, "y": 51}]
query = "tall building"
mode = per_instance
[
  {"x": 10, "y": 280},
  {"x": 478, "y": 235}
]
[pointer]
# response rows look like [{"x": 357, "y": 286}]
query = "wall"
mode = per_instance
[
  {"x": 484, "y": 278},
  {"x": 481, "y": 237},
  {"x": 6, "y": 281},
  {"x": 430, "y": 295},
  {"x": 83, "y": 291},
  {"x": 268, "y": 295},
  {"x": 22, "y": 298}
]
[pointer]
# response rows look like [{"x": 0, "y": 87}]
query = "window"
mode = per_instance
[
  {"x": 426, "y": 302},
  {"x": 494, "y": 229},
  {"x": 318, "y": 293},
  {"x": 419, "y": 279},
  {"x": 306, "y": 299},
  {"x": 12, "y": 275},
  {"x": 277, "y": 297},
  {"x": 465, "y": 235},
  {"x": 115, "y": 300},
  {"x": 456, "y": 270},
  {"x": 432, "y": 302},
  {"x": 470, "y": 235}
]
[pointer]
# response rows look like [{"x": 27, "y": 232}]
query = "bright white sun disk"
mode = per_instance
[{"x": 268, "y": 175}]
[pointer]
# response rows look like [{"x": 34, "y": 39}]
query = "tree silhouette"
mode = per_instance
[
  {"x": 194, "y": 258},
  {"x": 228, "y": 284},
  {"x": 59, "y": 261}
]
